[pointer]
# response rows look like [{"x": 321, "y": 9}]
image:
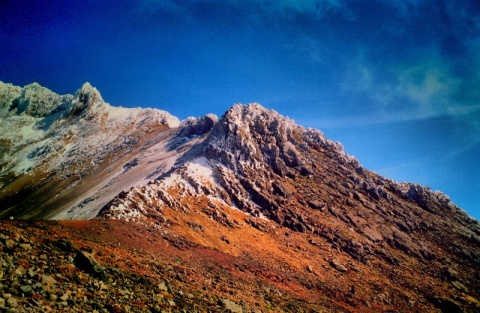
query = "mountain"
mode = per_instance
[
  {"x": 273, "y": 215},
  {"x": 60, "y": 153}
]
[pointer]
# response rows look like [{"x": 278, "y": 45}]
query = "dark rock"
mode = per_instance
[
  {"x": 305, "y": 171},
  {"x": 403, "y": 227},
  {"x": 225, "y": 239},
  {"x": 445, "y": 305},
  {"x": 316, "y": 204},
  {"x": 356, "y": 250},
  {"x": 332, "y": 210},
  {"x": 295, "y": 223},
  {"x": 300, "y": 227},
  {"x": 258, "y": 224},
  {"x": 427, "y": 253},
  {"x": 450, "y": 274},
  {"x": 373, "y": 192},
  {"x": 64, "y": 245},
  {"x": 87, "y": 263},
  {"x": 198, "y": 126},
  {"x": 129, "y": 165},
  {"x": 353, "y": 290},
  {"x": 359, "y": 197},
  {"x": 259, "y": 196},
  {"x": 281, "y": 190},
  {"x": 26, "y": 290},
  {"x": 195, "y": 226}
]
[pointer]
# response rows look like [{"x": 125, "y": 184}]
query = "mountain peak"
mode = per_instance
[
  {"x": 252, "y": 133},
  {"x": 85, "y": 97},
  {"x": 252, "y": 111},
  {"x": 91, "y": 92},
  {"x": 33, "y": 99}
]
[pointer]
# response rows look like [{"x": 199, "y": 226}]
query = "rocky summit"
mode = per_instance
[{"x": 248, "y": 212}]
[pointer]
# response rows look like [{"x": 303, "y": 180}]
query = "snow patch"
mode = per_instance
[
  {"x": 139, "y": 115},
  {"x": 200, "y": 168}
]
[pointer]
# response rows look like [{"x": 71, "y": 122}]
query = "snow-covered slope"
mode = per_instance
[{"x": 60, "y": 152}]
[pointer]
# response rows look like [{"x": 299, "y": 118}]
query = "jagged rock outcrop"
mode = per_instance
[{"x": 33, "y": 100}]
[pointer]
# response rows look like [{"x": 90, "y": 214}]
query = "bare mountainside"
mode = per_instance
[{"x": 253, "y": 210}]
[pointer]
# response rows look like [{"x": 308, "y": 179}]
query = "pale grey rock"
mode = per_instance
[{"x": 230, "y": 306}]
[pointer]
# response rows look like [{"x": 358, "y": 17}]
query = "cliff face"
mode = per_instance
[{"x": 279, "y": 198}]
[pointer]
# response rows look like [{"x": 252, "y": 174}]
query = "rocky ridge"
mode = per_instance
[
  {"x": 51, "y": 144},
  {"x": 263, "y": 192}
]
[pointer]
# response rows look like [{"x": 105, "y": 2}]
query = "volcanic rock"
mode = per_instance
[{"x": 87, "y": 263}]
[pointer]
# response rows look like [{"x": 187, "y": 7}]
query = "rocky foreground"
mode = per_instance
[
  {"x": 115, "y": 266},
  {"x": 101, "y": 267}
]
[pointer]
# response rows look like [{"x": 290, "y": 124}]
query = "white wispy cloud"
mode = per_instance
[{"x": 424, "y": 88}]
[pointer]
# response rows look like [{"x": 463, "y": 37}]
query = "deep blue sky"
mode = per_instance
[{"x": 397, "y": 82}]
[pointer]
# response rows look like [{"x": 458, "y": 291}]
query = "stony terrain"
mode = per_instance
[
  {"x": 248, "y": 212},
  {"x": 61, "y": 271},
  {"x": 116, "y": 266}
]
